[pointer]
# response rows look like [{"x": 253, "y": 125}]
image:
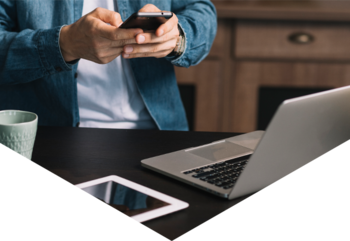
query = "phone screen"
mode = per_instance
[
  {"x": 146, "y": 21},
  {"x": 124, "y": 199}
]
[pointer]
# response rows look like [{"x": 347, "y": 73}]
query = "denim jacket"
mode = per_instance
[{"x": 35, "y": 77}]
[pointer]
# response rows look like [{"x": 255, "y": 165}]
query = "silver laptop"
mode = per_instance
[{"x": 302, "y": 129}]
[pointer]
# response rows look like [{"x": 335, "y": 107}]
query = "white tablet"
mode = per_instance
[{"x": 136, "y": 201}]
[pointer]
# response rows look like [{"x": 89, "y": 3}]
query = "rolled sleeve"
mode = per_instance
[
  {"x": 177, "y": 60},
  {"x": 198, "y": 21},
  {"x": 50, "y": 52}
]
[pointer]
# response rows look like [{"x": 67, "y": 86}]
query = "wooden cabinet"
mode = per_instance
[
  {"x": 288, "y": 40},
  {"x": 209, "y": 80},
  {"x": 267, "y": 43}
]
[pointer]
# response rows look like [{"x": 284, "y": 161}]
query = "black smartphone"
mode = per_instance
[{"x": 146, "y": 21}]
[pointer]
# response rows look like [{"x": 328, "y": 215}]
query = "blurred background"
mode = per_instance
[{"x": 266, "y": 52}]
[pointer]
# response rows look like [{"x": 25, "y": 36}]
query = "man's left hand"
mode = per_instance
[{"x": 158, "y": 44}]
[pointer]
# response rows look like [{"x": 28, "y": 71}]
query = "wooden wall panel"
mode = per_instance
[
  {"x": 206, "y": 77},
  {"x": 250, "y": 75}
]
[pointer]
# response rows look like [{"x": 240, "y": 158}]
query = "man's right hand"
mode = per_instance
[{"x": 93, "y": 39}]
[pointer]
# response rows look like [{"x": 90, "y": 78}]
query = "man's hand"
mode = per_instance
[
  {"x": 158, "y": 44},
  {"x": 93, "y": 39}
]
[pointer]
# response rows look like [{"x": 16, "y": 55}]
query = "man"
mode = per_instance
[{"x": 42, "y": 42}]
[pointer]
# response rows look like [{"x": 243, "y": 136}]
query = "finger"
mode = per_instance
[
  {"x": 101, "y": 55},
  {"x": 108, "y": 52},
  {"x": 149, "y": 48},
  {"x": 108, "y": 59},
  {"x": 113, "y": 33},
  {"x": 149, "y": 8},
  {"x": 146, "y": 38},
  {"x": 145, "y": 55},
  {"x": 103, "y": 43},
  {"x": 122, "y": 42},
  {"x": 167, "y": 26},
  {"x": 107, "y": 16}
]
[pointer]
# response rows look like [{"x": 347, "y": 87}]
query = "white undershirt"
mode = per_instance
[{"x": 107, "y": 94}]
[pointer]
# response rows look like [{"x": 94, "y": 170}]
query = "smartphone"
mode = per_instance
[{"x": 146, "y": 21}]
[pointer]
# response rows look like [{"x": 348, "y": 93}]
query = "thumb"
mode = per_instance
[
  {"x": 149, "y": 8},
  {"x": 107, "y": 16}
]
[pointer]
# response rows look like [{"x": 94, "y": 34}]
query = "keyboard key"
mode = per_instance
[
  {"x": 212, "y": 177},
  {"x": 231, "y": 161},
  {"x": 202, "y": 174},
  {"x": 200, "y": 171},
  {"x": 223, "y": 184},
  {"x": 234, "y": 178}
]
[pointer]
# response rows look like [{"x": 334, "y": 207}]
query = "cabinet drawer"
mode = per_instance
[{"x": 292, "y": 40}]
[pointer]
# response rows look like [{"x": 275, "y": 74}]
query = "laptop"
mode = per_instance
[{"x": 301, "y": 130}]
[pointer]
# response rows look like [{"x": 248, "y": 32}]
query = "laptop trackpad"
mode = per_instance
[{"x": 219, "y": 151}]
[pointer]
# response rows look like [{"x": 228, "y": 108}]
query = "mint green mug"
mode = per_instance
[{"x": 18, "y": 131}]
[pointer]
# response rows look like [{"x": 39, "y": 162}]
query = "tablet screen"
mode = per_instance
[{"x": 124, "y": 199}]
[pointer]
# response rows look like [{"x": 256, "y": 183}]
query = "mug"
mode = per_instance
[{"x": 18, "y": 131}]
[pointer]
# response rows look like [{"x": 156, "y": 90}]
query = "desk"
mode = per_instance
[{"x": 81, "y": 154}]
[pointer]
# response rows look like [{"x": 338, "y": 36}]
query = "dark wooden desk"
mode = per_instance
[{"x": 79, "y": 155}]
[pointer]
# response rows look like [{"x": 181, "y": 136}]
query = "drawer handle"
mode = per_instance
[{"x": 301, "y": 38}]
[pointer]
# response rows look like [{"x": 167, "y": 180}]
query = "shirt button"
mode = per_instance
[
  {"x": 58, "y": 69},
  {"x": 76, "y": 75}
]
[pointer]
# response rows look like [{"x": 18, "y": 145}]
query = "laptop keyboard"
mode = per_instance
[{"x": 223, "y": 174}]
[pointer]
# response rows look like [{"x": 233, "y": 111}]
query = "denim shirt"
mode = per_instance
[{"x": 35, "y": 77}]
